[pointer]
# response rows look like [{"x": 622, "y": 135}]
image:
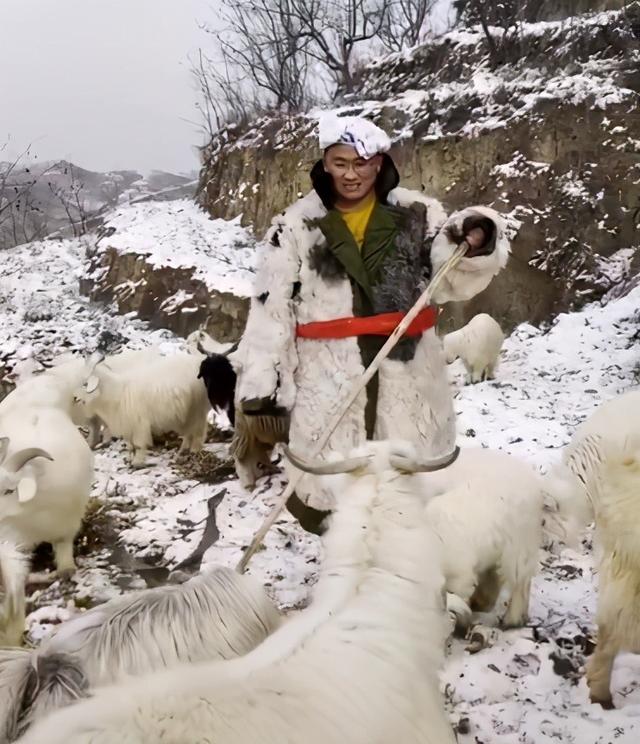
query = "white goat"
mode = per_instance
[
  {"x": 219, "y": 614},
  {"x": 122, "y": 363},
  {"x": 478, "y": 344},
  {"x": 359, "y": 665},
  {"x": 487, "y": 510},
  {"x": 14, "y": 567},
  {"x": 600, "y": 477},
  {"x": 46, "y": 472},
  {"x": 150, "y": 400},
  {"x": 54, "y": 388}
]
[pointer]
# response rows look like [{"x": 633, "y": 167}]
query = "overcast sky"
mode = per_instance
[{"x": 104, "y": 83}]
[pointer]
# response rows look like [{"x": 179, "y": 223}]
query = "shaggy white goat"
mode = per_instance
[
  {"x": 14, "y": 567},
  {"x": 478, "y": 344},
  {"x": 487, "y": 510},
  {"x": 122, "y": 363},
  {"x": 54, "y": 388},
  {"x": 150, "y": 399},
  {"x": 219, "y": 614},
  {"x": 359, "y": 665},
  {"x": 600, "y": 477},
  {"x": 46, "y": 472}
]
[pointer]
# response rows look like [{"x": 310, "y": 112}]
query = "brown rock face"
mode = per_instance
[{"x": 167, "y": 297}]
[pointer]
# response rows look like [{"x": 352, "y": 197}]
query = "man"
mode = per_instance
[{"x": 341, "y": 267}]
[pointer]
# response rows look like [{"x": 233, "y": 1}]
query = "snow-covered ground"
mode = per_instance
[
  {"x": 181, "y": 234},
  {"x": 527, "y": 688}
]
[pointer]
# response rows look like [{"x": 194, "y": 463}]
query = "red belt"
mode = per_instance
[{"x": 372, "y": 325}]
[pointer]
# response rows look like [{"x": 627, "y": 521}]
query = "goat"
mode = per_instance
[
  {"x": 599, "y": 478},
  {"x": 487, "y": 509},
  {"x": 54, "y": 388},
  {"x": 46, "y": 472},
  {"x": 149, "y": 400},
  {"x": 220, "y": 380},
  {"x": 13, "y": 567},
  {"x": 216, "y": 615},
  {"x": 359, "y": 665},
  {"x": 122, "y": 362},
  {"x": 478, "y": 344}
]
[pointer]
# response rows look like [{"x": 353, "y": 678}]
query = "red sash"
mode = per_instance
[{"x": 371, "y": 325}]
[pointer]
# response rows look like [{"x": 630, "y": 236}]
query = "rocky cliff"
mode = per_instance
[
  {"x": 173, "y": 266},
  {"x": 547, "y": 131}
]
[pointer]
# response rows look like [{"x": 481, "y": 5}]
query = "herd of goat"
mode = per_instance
[{"x": 414, "y": 550}]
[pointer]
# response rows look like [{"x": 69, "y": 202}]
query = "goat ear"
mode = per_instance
[
  {"x": 92, "y": 383},
  {"x": 26, "y": 489}
]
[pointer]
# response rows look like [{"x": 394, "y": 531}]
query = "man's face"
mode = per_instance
[{"x": 353, "y": 176}]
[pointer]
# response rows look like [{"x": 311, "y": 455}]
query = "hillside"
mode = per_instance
[
  {"x": 527, "y": 688},
  {"x": 546, "y": 130}
]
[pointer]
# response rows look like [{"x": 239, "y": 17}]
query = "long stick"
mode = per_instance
[{"x": 359, "y": 384}]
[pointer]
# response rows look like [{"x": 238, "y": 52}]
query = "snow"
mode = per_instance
[
  {"x": 552, "y": 68},
  {"x": 181, "y": 234},
  {"x": 144, "y": 522}
]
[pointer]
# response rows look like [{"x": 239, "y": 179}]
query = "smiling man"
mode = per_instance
[{"x": 341, "y": 267}]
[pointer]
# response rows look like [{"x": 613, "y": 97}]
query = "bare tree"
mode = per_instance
[
  {"x": 27, "y": 220},
  {"x": 72, "y": 200},
  {"x": 12, "y": 189},
  {"x": 267, "y": 43},
  {"x": 335, "y": 30},
  {"x": 289, "y": 54},
  {"x": 22, "y": 217},
  {"x": 259, "y": 64},
  {"x": 404, "y": 23},
  {"x": 501, "y": 22}
]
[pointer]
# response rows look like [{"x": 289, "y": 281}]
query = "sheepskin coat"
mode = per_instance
[{"x": 309, "y": 273}]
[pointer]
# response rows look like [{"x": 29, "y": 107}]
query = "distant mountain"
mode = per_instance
[{"x": 41, "y": 198}]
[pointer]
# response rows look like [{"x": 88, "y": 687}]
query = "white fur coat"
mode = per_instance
[{"x": 311, "y": 377}]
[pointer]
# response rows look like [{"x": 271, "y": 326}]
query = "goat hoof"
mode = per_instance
[
  {"x": 606, "y": 702},
  {"x": 40, "y": 577},
  {"x": 480, "y": 638}
]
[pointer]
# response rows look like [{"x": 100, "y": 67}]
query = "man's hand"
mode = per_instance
[{"x": 479, "y": 232}]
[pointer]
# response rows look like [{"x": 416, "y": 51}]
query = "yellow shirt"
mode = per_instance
[{"x": 358, "y": 219}]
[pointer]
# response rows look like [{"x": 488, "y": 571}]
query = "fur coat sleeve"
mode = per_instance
[
  {"x": 471, "y": 275},
  {"x": 266, "y": 358}
]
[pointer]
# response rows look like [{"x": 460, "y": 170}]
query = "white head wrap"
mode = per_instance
[{"x": 361, "y": 134}]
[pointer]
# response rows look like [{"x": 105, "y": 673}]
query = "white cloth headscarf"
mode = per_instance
[{"x": 363, "y": 135}]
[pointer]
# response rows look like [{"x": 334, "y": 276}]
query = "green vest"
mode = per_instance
[{"x": 363, "y": 266}]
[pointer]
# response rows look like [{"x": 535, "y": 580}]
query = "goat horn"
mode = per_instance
[
  {"x": 96, "y": 358},
  {"x": 20, "y": 458},
  {"x": 4, "y": 448},
  {"x": 326, "y": 468},
  {"x": 413, "y": 465},
  {"x": 232, "y": 349}
]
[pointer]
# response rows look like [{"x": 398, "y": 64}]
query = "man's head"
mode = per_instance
[
  {"x": 353, "y": 150},
  {"x": 353, "y": 177}
]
